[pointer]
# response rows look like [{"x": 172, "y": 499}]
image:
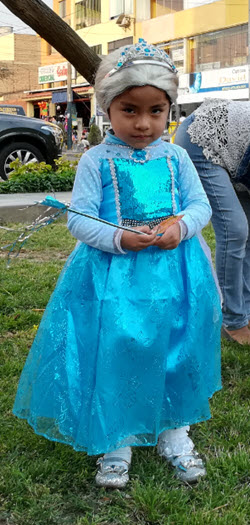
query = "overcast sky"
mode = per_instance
[{"x": 8, "y": 19}]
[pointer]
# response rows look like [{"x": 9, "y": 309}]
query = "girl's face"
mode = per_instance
[{"x": 139, "y": 115}]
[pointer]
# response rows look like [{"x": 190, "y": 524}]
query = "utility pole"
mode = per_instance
[{"x": 69, "y": 107}]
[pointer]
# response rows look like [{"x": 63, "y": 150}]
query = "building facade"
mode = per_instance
[
  {"x": 207, "y": 39},
  {"x": 20, "y": 57},
  {"x": 102, "y": 27}
]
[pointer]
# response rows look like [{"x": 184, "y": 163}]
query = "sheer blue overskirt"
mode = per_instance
[{"x": 128, "y": 347}]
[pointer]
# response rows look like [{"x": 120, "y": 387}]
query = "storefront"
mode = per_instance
[
  {"x": 228, "y": 83},
  {"x": 52, "y": 102},
  {"x": 49, "y": 103},
  {"x": 81, "y": 108}
]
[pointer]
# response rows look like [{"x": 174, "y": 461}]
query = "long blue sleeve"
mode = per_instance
[
  {"x": 194, "y": 201},
  {"x": 87, "y": 197}
]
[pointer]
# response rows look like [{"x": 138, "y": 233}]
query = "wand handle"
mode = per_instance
[{"x": 107, "y": 222}]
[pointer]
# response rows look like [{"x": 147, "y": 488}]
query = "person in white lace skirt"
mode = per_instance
[{"x": 217, "y": 139}]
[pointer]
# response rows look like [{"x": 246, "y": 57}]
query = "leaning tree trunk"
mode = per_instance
[{"x": 56, "y": 32}]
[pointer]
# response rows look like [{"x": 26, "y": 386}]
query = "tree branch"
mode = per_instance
[{"x": 57, "y": 33}]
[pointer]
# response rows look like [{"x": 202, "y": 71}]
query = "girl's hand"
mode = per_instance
[
  {"x": 135, "y": 243},
  {"x": 170, "y": 239}
]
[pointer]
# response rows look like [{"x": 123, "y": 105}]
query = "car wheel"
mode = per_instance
[{"x": 26, "y": 153}]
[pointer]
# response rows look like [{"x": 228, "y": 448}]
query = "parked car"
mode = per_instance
[
  {"x": 27, "y": 139},
  {"x": 13, "y": 110}
]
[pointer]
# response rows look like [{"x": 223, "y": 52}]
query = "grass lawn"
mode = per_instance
[{"x": 46, "y": 483}]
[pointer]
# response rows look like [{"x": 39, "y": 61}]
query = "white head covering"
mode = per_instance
[{"x": 131, "y": 66}]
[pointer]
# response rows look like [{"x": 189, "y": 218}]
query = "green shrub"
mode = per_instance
[
  {"x": 40, "y": 177},
  {"x": 94, "y": 135}
]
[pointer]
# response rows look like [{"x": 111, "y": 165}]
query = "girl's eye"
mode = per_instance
[
  {"x": 155, "y": 111},
  {"x": 128, "y": 110}
]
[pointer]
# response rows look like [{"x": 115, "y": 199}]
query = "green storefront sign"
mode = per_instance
[{"x": 46, "y": 78}]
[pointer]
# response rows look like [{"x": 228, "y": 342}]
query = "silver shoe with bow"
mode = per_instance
[
  {"x": 188, "y": 466},
  {"x": 111, "y": 475}
]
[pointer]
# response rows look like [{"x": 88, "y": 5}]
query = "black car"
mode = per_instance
[
  {"x": 13, "y": 110},
  {"x": 27, "y": 139}
]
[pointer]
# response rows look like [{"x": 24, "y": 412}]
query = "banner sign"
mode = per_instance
[
  {"x": 213, "y": 81},
  {"x": 54, "y": 73}
]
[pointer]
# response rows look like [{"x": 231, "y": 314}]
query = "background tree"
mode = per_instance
[
  {"x": 57, "y": 33},
  {"x": 94, "y": 135}
]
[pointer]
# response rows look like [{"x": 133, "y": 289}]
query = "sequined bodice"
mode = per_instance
[{"x": 141, "y": 191}]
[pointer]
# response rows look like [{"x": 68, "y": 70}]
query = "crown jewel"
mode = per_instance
[{"x": 142, "y": 53}]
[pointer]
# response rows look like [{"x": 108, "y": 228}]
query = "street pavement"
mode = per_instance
[{"x": 17, "y": 207}]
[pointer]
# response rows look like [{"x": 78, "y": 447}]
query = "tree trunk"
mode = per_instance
[{"x": 57, "y": 33}]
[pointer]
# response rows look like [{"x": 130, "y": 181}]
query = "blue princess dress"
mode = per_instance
[{"x": 129, "y": 344}]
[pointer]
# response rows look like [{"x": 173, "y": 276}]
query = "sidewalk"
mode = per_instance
[
  {"x": 73, "y": 154},
  {"x": 13, "y": 207}
]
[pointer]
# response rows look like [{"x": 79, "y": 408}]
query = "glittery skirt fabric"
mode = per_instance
[{"x": 129, "y": 346}]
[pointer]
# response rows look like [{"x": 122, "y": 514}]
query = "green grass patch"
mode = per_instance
[{"x": 46, "y": 483}]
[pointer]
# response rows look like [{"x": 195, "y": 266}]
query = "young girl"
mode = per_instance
[{"x": 128, "y": 351}]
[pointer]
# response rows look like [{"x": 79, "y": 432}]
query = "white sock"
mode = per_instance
[
  {"x": 175, "y": 442},
  {"x": 124, "y": 453}
]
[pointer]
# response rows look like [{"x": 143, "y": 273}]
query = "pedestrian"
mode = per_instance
[
  {"x": 85, "y": 142},
  {"x": 128, "y": 351},
  {"x": 74, "y": 136},
  {"x": 183, "y": 116},
  {"x": 217, "y": 139}
]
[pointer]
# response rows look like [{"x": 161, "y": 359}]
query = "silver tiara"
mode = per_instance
[{"x": 143, "y": 53}]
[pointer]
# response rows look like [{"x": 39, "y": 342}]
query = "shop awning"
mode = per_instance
[{"x": 59, "y": 96}]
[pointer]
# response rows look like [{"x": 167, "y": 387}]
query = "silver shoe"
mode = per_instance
[
  {"x": 189, "y": 468},
  {"x": 111, "y": 475},
  {"x": 183, "y": 457}
]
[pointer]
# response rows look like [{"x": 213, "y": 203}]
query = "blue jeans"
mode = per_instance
[{"x": 230, "y": 219}]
